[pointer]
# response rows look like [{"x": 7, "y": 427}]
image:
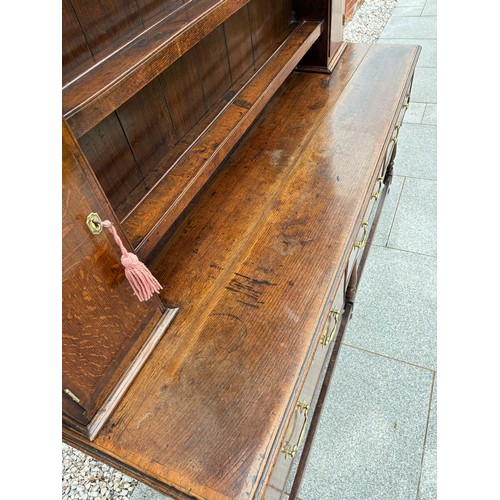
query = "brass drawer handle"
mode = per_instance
[
  {"x": 380, "y": 180},
  {"x": 395, "y": 137},
  {"x": 290, "y": 451},
  {"x": 326, "y": 339},
  {"x": 361, "y": 244},
  {"x": 406, "y": 105}
]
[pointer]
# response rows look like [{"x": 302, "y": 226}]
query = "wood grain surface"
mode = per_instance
[
  {"x": 104, "y": 325},
  {"x": 151, "y": 219},
  {"x": 253, "y": 268}
]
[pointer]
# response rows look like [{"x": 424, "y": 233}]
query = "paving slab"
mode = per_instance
[
  {"x": 384, "y": 225},
  {"x": 415, "y": 112},
  {"x": 430, "y": 8},
  {"x": 370, "y": 436},
  {"x": 410, "y": 27},
  {"x": 430, "y": 114},
  {"x": 408, "y": 11},
  {"x": 143, "y": 492},
  {"x": 417, "y": 151},
  {"x": 395, "y": 309},
  {"x": 424, "y": 87},
  {"x": 428, "y": 481},
  {"x": 414, "y": 227}
]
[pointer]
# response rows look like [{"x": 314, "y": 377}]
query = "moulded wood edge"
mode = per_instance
[{"x": 118, "y": 391}]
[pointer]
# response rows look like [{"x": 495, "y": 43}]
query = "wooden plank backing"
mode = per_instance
[
  {"x": 149, "y": 221},
  {"x": 98, "y": 92},
  {"x": 108, "y": 25},
  {"x": 252, "y": 269}
]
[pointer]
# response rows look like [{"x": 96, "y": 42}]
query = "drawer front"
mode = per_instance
[
  {"x": 397, "y": 127},
  {"x": 393, "y": 142},
  {"x": 296, "y": 432},
  {"x": 365, "y": 226}
]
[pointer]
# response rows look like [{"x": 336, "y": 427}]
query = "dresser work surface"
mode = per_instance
[{"x": 253, "y": 268}]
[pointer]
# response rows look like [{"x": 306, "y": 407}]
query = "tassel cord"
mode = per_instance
[{"x": 143, "y": 283}]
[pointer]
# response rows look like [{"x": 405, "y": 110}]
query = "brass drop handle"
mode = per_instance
[
  {"x": 380, "y": 180},
  {"x": 361, "y": 244},
  {"x": 94, "y": 223},
  {"x": 290, "y": 451},
  {"x": 327, "y": 338},
  {"x": 395, "y": 137},
  {"x": 407, "y": 103}
]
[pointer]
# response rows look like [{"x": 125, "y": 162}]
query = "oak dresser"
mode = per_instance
[{"x": 243, "y": 153}]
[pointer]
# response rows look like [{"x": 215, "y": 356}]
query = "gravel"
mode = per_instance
[
  {"x": 84, "y": 478},
  {"x": 368, "y": 21}
]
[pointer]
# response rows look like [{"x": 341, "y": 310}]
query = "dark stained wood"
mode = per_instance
[
  {"x": 253, "y": 269},
  {"x": 282, "y": 16},
  {"x": 239, "y": 43},
  {"x": 108, "y": 25},
  {"x": 145, "y": 119},
  {"x": 352, "y": 285},
  {"x": 106, "y": 86},
  {"x": 316, "y": 9},
  {"x": 239, "y": 180},
  {"x": 390, "y": 167},
  {"x": 111, "y": 158},
  {"x": 190, "y": 114},
  {"x": 76, "y": 55},
  {"x": 103, "y": 322},
  {"x": 156, "y": 213},
  {"x": 261, "y": 25},
  {"x": 152, "y": 11},
  {"x": 213, "y": 65},
  {"x": 184, "y": 144},
  {"x": 328, "y": 48},
  {"x": 182, "y": 79}
]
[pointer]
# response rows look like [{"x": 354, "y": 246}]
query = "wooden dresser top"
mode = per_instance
[{"x": 252, "y": 268}]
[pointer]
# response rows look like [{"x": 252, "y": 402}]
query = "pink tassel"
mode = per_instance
[{"x": 138, "y": 275}]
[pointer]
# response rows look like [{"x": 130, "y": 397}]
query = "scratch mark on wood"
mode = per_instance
[
  {"x": 256, "y": 282},
  {"x": 250, "y": 288},
  {"x": 248, "y": 304}
]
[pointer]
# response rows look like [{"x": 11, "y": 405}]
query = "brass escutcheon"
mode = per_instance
[{"x": 94, "y": 223}]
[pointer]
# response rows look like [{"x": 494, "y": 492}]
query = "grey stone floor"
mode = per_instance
[{"x": 377, "y": 435}]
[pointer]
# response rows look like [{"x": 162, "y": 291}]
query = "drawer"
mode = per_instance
[
  {"x": 296, "y": 432},
  {"x": 397, "y": 128},
  {"x": 392, "y": 144},
  {"x": 365, "y": 227}
]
